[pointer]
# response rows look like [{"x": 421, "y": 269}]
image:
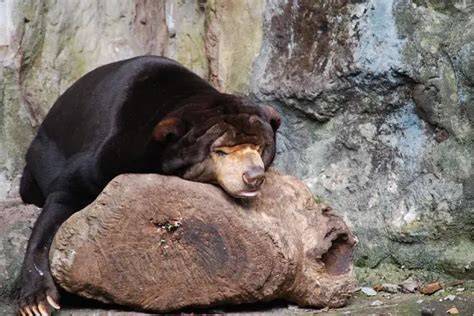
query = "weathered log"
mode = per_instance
[{"x": 162, "y": 243}]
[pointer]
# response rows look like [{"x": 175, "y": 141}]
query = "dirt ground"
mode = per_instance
[{"x": 361, "y": 305}]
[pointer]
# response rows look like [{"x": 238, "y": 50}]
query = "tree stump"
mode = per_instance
[{"x": 162, "y": 243}]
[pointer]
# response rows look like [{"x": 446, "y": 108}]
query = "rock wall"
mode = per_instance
[
  {"x": 377, "y": 98},
  {"x": 378, "y": 111}
]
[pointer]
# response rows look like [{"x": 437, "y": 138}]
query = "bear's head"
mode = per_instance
[{"x": 226, "y": 140}]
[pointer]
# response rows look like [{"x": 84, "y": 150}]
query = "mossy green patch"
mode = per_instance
[
  {"x": 458, "y": 259},
  {"x": 394, "y": 273}
]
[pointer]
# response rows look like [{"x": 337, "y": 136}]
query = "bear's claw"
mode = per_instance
[
  {"x": 38, "y": 305},
  {"x": 52, "y": 302}
]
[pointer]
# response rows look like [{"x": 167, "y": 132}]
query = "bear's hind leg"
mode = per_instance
[{"x": 29, "y": 190}]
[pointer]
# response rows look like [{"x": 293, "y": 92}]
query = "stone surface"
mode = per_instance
[
  {"x": 233, "y": 44},
  {"x": 376, "y": 109},
  {"x": 16, "y": 223},
  {"x": 162, "y": 243},
  {"x": 376, "y": 97},
  {"x": 185, "y": 22}
]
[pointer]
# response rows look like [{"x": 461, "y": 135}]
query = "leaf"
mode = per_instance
[{"x": 430, "y": 288}]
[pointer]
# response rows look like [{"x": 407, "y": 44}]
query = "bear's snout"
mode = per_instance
[{"x": 254, "y": 177}]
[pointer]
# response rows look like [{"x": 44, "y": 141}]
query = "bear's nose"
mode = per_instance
[{"x": 254, "y": 177}]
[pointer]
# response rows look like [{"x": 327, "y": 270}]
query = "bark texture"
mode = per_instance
[{"x": 162, "y": 243}]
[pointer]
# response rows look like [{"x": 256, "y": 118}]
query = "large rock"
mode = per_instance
[
  {"x": 162, "y": 243},
  {"x": 233, "y": 44},
  {"x": 16, "y": 221},
  {"x": 377, "y": 103}
]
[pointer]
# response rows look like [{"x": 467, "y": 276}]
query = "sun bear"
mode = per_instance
[{"x": 147, "y": 114}]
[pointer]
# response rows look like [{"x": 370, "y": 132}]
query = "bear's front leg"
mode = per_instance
[{"x": 39, "y": 293}]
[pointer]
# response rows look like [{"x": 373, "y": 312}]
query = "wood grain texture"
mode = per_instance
[{"x": 162, "y": 243}]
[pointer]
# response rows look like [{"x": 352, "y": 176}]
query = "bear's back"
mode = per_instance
[
  {"x": 108, "y": 107},
  {"x": 108, "y": 99}
]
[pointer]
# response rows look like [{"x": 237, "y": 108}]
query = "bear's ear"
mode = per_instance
[
  {"x": 273, "y": 116},
  {"x": 167, "y": 128}
]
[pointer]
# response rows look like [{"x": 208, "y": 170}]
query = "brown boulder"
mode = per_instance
[{"x": 162, "y": 243}]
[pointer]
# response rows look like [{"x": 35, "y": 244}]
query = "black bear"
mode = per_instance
[{"x": 147, "y": 114}]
